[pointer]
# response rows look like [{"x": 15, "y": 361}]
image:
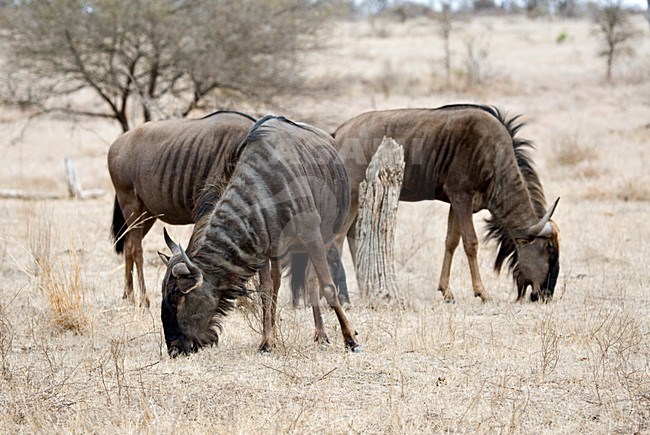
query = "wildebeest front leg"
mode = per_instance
[
  {"x": 462, "y": 205},
  {"x": 316, "y": 251},
  {"x": 268, "y": 293},
  {"x": 451, "y": 243},
  {"x": 139, "y": 258}
]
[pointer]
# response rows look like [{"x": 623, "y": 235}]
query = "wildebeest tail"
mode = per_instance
[
  {"x": 118, "y": 227},
  {"x": 298, "y": 276}
]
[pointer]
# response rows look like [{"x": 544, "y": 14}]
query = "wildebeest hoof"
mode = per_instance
[
  {"x": 352, "y": 345},
  {"x": 447, "y": 295},
  {"x": 321, "y": 338},
  {"x": 484, "y": 297}
]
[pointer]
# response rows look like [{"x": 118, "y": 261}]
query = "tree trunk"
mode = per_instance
[{"x": 378, "y": 199}]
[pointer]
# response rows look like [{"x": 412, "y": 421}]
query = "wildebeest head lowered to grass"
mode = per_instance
[
  {"x": 288, "y": 194},
  {"x": 158, "y": 170},
  {"x": 469, "y": 156}
]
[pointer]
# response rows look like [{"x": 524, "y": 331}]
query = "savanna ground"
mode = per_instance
[{"x": 577, "y": 365}]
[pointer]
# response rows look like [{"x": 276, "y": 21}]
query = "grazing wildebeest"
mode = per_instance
[
  {"x": 159, "y": 170},
  {"x": 288, "y": 194},
  {"x": 469, "y": 156}
]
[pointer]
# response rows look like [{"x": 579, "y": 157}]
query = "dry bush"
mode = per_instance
[
  {"x": 6, "y": 339},
  {"x": 569, "y": 150},
  {"x": 62, "y": 281},
  {"x": 477, "y": 67},
  {"x": 619, "y": 361},
  {"x": 629, "y": 189},
  {"x": 39, "y": 233},
  {"x": 550, "y": 353},
  {"x": 633, "y": 190},
  {"x": 66, "y": 292},
  {"x": 387, "y": 79}
]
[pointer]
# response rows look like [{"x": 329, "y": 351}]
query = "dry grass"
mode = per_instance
[
  {"x": 629, "y": 189},
  {"x": 580, "y": 364},
  {"x": 65, "y": 288},
  {"x": 571, "y": 151}
]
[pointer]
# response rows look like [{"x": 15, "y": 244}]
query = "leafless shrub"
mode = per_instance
[
  {"x": 550, "y": 353},
  {"x": 6, "y": 339},
  {"x": 387, "y": 79},
  {"x": 616, "y": 30},
  {"x": 117, "y": 359},
  {"x": 445, "y": 21},
  {"x": 618, "y": 345},
  {"x": 476, "y": 62}
]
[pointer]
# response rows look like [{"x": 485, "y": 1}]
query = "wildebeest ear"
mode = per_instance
[
  {"x": 164, "y": 258},
  {"x": 180, "y": 270},
  {"x": 187, "y": 283}
]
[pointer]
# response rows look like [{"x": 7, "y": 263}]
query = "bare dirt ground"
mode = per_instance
[{"x": 580, "y": 364}]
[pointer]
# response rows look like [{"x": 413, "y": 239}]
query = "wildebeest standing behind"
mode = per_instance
[
  {"x": 289, "y": 193},
  {"x": 470, "y": 157},
  {"x": 159, "y": 170}
]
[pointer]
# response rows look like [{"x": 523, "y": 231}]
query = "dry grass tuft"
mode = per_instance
[
  {"x": 62, "y": 281},
  {"x": 570, "y": 151},
  {"x": 65, "y": 289},
  {"x": 39, "y": 231},
  {"x": 636, "y": 190},
  {"x": 6, "y": 339},
  {"x": 633, "y": 190}
]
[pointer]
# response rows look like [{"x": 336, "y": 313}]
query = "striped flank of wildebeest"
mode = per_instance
[
  {"x": 469, "y": 156},
  {"x": 287, "y": 194}
]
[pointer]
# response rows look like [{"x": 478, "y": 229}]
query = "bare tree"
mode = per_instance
[
  {"x": 156, "y": 55},
  {"x": 445, "y": 19},
  {"x": 614, "y": 25},
  {"x": 565, "y": 8}
]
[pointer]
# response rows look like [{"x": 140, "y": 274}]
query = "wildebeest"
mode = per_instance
[
  {"x": 469, "y": 156},
  {"x": 288, "y": 194},
  {"x": 159, "y": 170}
]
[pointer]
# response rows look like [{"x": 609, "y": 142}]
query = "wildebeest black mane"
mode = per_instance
[{"x": 496, "y": 229}]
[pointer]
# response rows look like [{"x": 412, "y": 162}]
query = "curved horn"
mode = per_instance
[
  {"x": 543, "y": 227},
  {"x": 191, "y": 274},
  {"x": 170, "y": 243}
]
